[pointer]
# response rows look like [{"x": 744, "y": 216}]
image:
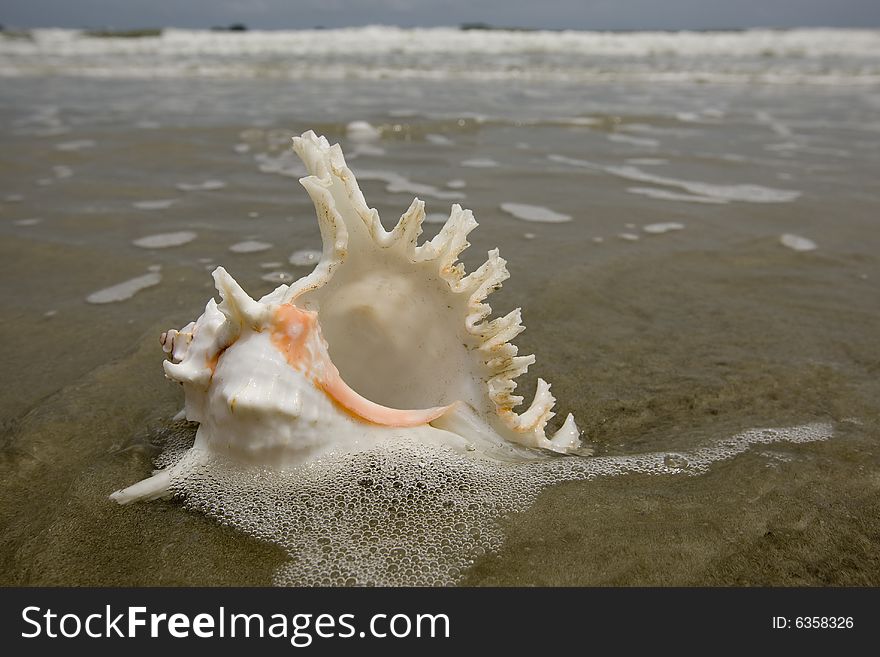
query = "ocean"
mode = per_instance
[{"x": 690, "y": 221}]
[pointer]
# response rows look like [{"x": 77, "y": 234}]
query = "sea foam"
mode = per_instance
[
  {"x": 250, "y": 246},
  {"x": 406, "y": 513},
  {"x": 535, "y": 213},
  {"x": 165, "y": 240},
  {"x": 204, "y": 186},
  {"x": 159, "y": 204},
  {"x": 398, "y": 184},
  {"x": 304, "y": 257},
  {"x": 797, "y": 56},
  {"x": 719, "y": 192},
  {"x": 124, "y": 290},
  {"x": 797, "y": 243}
]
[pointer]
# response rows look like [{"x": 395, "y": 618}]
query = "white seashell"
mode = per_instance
[{"x": 384, "y": 338}]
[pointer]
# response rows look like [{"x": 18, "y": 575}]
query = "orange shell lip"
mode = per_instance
[{"x": 290, "y": 332}]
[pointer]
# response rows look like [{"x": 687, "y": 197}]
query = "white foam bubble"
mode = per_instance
[
  {"x": 362, "y": 131},
  {"x": 271, "y": 265},
  {"x": 397, "y": 184},
  {"x": 439, "y": 140},
  {"x": 534, "y": 213},
  {"x": 13, "y": 198},
  {"x": 628, "y": 237},
  {"x": 436, "y": 218},
  {"x": 158, "y": 204},
  {"x": 480, "y": 163},
  {"x": 204, "y": 186},
  {"x": 370, "y": 150},
  {"x": 125, "y": 290},
  {"x": 797, "y": 243},
  {"x": 405, "y": 513},
  {"x": 644, "y": 142},
  {"x": 165, "y": 240},
  {"x": 241, "y": 148},
  {"x": 667, "y": 195},
  {"x": 744, "y": 193},
  {"x": 304, "y": 257},
  {"x": 76, "y": 145},
  {"x": 788, "y": 148},
  {"x": 690, "y": 117},
  {"x": 278, "y": 277},
  {"x": 664, "y": 227},
  {"x": 457, "y": 183},
  {"x": 62, "y": 171},
  {"x": 579, "y": 120},
  {"x": 27, "y": 222},
  {"x": 647, "y": 161},
  {"x": 250, "y": 246},
  {"x": 564, "y": 159},
  {"x": 286, "y": 163}
]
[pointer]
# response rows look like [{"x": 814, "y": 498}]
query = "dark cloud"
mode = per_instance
[{"x": 576, "y": 14}]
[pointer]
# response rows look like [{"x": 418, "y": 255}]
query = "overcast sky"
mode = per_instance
[{"x": 576, "y": 14}]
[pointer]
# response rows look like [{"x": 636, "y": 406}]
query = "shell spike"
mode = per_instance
[
  {"x": 409, "y": 227},
  {"x": 151, "y": 488},
  {"x": 567, "y": 437},
  {"x": 334, "y": 237},
  {"x": 450, "y": 241},
  {"x": 329, "y": 172},
  {"x": 237, "y": 305},
  {"x": 488, "y": 277},
  {"x": 310, "y": 148},
  {"x": 540, "y": 411},
  {"x": 500, "y": 330}
]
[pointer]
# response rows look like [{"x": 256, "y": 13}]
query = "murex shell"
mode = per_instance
[{"x": 337, "y": 361}]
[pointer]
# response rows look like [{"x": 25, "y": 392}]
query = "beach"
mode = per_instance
[{"x": 689, "y": 220}]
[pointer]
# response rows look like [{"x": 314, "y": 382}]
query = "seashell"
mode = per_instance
[{"x": 385, "y": 338}]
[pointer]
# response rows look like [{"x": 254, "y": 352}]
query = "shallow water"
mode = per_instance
[{"x": 663, "y": 343}]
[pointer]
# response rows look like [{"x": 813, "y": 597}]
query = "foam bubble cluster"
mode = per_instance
[
  {"x": 126, "y": 289},
  {"x": 406, "y": 513}
]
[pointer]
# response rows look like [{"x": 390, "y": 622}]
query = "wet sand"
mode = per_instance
[{"x": 662, "y": 343}]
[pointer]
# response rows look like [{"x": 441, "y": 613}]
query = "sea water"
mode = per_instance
[{"x": 674, "y": 307}]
